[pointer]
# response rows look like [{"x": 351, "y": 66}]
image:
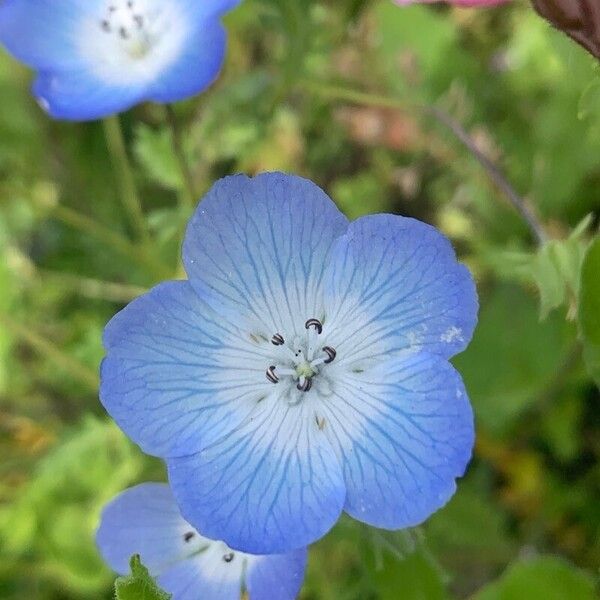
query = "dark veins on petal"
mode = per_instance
[{"x": 579, "y": 19}]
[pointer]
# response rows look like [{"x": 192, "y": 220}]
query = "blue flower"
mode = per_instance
[
  {"x": 302, "y": 370},
  {"x": 98, "y": 57},
  {"x": 145, "y": 520}
]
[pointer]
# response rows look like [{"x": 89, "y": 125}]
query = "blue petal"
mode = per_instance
[
  {"x": 404, "y": 432},
  {"x": 144, "y": 520},
  {"x": 394, "y": 284},
  {"x": 259, "y": 247},
  {"x": 273, "y": 485},
  {"x": 201, "y": 579},
  {"x": 43, "y": 33},
  {"x": 276, "y": 577},
  {"x": 208, "y": 8},
  {"x": 196, "y": 67},
  {"x": 77, "y": 95},
  {"x": 178, "y": 376}
]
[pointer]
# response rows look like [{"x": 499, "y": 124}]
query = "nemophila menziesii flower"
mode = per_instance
[
  {"x": 302, "y": 370},
  {"x": 97, "y": 57},
  {"x": 145, "y": 520}
]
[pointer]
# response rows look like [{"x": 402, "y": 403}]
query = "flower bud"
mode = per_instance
[{"x": 579, "y": 19}]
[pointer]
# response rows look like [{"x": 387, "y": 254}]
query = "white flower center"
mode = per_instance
[
  {"x": 219, "y": 560},
  {"x": 132, "y": 26},
  {"x": 131, "y": 41},
  {"x": 302, "y": 361}
]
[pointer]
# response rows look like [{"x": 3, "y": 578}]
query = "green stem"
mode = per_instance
[
  {"x": 188, "y": 196},
  {"x": 50, "y": 350},
  {"x": 94, "y": 288},
  {"x": 137, "y": 254},
  {"x": 494, "y": 172},
  {"x": 124, "y": 172}
]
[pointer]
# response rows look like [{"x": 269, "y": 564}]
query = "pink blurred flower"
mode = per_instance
[{"x": 455, "y": 2}]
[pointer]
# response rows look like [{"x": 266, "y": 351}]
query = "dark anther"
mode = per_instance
[
  {"x": 331, "y": 354},
  {"x": 228, "y": 557},
  {"x": 277, "y": 340},
  {"x": 271, "y": 376},
  {"x": 112, "y": 9},
  {"x": 130, "y": 4},
  {"x": 139, "y": 21},
  {"x": 123, "y": 33},
  {"x": 316, "y": 324},
  {"x": 105, "y": 25},
  {"x": 305, "y": 386},
  {"x": 188, "y": 536}
]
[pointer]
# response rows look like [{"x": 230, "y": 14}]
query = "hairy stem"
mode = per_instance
[
  {"x": 124, "y": 173},
  {"x": 188, "y": 197}
]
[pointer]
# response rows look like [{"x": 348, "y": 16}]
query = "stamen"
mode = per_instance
[
  {"x": 296, "y": 362},
  {"x": 331, "y": 354},
  {"x": 304, "y": 384},
  {"x": 315, "y": 324},
  {"x": 123, "y": 33},
  {"x": 277, "y": 340},
  {"x": 105, "y": 25},
  {"x": 228, "y": 557},
  {"x": 271, "y": 376},
  {"x": 188, "y": 536}
]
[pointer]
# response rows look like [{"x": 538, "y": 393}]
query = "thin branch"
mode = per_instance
[
  {"x": 88, "y": 226},
  {"x": 124, "y": 172},
  {"x": 94, "y": 288},
  {"x": 189, "y": 194},
  {"x": 40, "y": 344},
  {"x": 493, "y": 171}
]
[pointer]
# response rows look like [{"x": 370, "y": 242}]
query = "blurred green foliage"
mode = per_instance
[
  {"x": 139, "y": 585},
  {"x": 69, "y": 260}
]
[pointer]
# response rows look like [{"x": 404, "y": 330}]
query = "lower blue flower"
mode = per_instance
[
  {"x": 98, "y": 57},
  {"x": 145, "y": 520},
  {"x": 302, "y": 370}
]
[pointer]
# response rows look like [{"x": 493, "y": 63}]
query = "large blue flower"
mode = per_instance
[
  {"x": 302, "y": 370},
  {"x": 145, "y": 520},
  {"x": 97, "y": 57}
]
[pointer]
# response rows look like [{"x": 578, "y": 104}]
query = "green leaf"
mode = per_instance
[
  {"x": 551, "y": 285},
  {"x": 590, "y": 99},
  {"x": 139, "y": 585},
  {"x": 555, "y": 269},
  {"x": 154, "y": 150},
  {"x": 416, "y": 577},
  {"x": 589, "y": 309},
  {"x": 513, "y": 356},
  {"x": 542, "y": 578}
]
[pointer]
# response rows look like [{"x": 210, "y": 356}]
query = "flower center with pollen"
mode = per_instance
[
  {"x": 302, "y": 360},
  {"x": 131, "y": 24},
  {"x": 130, "y": 42}
]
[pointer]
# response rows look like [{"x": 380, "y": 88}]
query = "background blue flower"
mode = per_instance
[
  {"x": 99, "y": 57},
  {"x": 145, "y": 520},
  {"x": 302, "y": 370}
]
